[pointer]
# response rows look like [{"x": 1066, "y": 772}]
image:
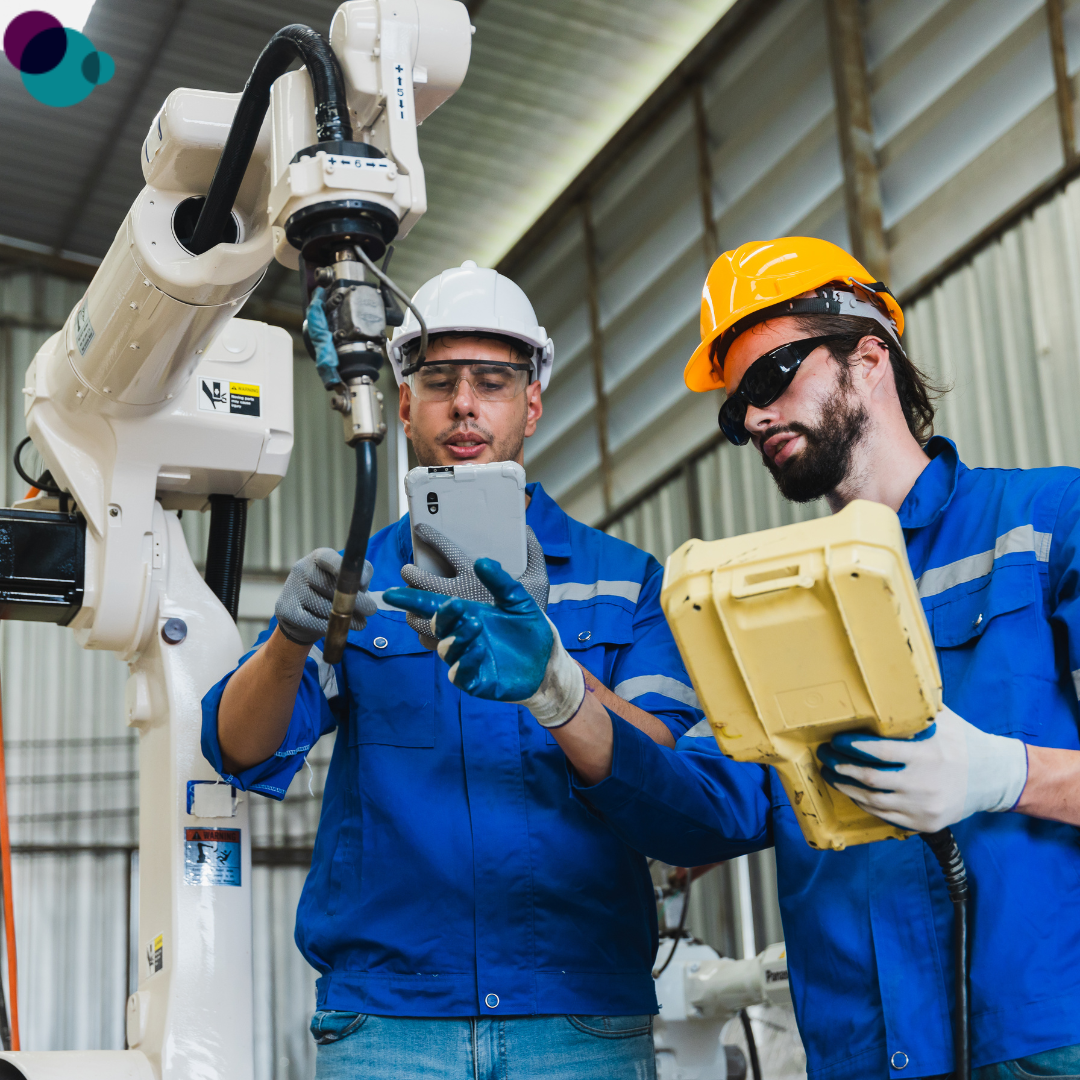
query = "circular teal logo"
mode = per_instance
[{"x": 59, "y": 66}]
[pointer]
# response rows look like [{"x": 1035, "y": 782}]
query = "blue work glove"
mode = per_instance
[
  {"x": 505, "y": 651},
  {"x": 941, "y": 776}
]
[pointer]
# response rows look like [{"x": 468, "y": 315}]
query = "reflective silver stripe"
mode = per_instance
[
  {"x": 578, "y": 590},
  {"x": 640, "y": 685},
  {"x": 380, "y": 603},
  {"x": 1076, "y": 682},
  {"x": 700, "y": 730},
  {"x": 327, "y": 675},
  {"x": 1023, "y": 538}
]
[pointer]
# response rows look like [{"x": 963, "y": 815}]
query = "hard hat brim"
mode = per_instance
[{"x": 700, "y": 373}]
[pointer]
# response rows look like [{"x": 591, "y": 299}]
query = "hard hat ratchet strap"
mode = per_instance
[{"x": 830, "y": 300}]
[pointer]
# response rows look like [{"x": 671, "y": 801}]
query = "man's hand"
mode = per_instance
[
  {"x": 941, "y": 776},
  {"x": 505, "y": 651},
  {"x": 303, "y": 608},
  {"x": 465, "y": 583}
]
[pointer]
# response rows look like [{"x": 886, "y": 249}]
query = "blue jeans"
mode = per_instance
[
  {"x": 1063, "y": 1063},
  {"x": 358, "y": 1046}
]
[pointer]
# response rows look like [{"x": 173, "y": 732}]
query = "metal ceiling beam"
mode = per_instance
[
  {"x": 1062, "y": 86},
  {"x": 855, "y": 128},
  {"x": 108, "y": 146},
  {"x": 21, "y": 258},
  {"x": 725, "y": 36}
]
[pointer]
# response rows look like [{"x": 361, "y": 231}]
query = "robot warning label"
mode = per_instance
[
  {"x": 84, "y": 332},
  {"x": 155, "y": 955},
  {"x": 212, "y": 856},
  {"x": 220, "y": 396},
  {"x": 244, "y": 398}
]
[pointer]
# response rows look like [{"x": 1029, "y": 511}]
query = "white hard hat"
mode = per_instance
[{"x": 469, "y": 297}]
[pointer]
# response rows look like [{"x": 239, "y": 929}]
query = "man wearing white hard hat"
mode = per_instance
[{"x": 467, "y": 917}]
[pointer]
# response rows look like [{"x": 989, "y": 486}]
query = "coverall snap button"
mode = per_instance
[
  {"x": 584, "y": 635},
  {"x": 380, "y": 643},
  {"x": 492, "y": 1001},
  {"x": 899, "y": 1060},
  {"x": 977, "y": 621}
]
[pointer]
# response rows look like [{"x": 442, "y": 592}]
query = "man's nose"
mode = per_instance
[
  {"x": 464, "y": 403},
  {"x": 759, "y": 420}
]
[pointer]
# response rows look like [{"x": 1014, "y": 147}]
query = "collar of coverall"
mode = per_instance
[
  {"x": 934, "y": 489},
  {"x": 544, "y": 516}
]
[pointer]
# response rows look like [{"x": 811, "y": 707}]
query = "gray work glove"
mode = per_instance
[
  {"x": 303, "y": 608},
  {"x": 465, "y": 583}
]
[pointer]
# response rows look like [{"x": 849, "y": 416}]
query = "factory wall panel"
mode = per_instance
[{"x": 962, "y": 97}]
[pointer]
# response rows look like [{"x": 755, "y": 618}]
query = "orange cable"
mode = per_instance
[{"x": 9, "y": 905}]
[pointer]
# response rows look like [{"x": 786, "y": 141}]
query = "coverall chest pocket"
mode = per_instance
[
  {"x": 591, "y": 634},
  {"x": 392, "y": 686},
  {"x": 992, "y": 643}
]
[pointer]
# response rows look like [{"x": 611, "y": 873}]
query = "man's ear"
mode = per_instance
[
  {"x": 405, "y": 409},
  {"x": 874, "y": 365},
  {"x": 533, "y": 407}
]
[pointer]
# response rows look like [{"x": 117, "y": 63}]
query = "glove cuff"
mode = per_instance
[
  {"x": 561, "y": 691},
  {"x": 296, "y": 639},
  {"x": 1012, "y": 764}
]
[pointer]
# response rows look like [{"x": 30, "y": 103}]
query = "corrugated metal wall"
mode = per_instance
[{"x": 962, "y": 94}]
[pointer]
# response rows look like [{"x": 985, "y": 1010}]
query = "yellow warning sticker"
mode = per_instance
[
  {"x": 244, "y": 398},
  {"x": 155, "y": 954},
  {"x": 237, "y": 398}
]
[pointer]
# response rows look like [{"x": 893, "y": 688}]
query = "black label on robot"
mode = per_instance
[{"x": 244, "y": 398}]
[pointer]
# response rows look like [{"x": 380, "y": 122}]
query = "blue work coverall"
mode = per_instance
[
  {"x": 868, "y": 930},
  {"x": 453, "y": 875}
]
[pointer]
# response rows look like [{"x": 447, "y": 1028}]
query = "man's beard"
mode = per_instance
[{"x": 825, "y": 462}]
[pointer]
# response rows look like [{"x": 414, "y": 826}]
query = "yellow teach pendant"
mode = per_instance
[{"x": 795, "y": 634}]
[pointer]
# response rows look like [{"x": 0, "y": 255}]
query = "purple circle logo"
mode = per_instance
[{"x": 59, "y": 66}]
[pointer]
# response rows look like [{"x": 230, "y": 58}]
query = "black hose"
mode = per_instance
[
  {"x": 225, "y": 549},
  {"x": 290, "y": 43},
  {"x": 751, "y": 1044},
  {"x": 947, "y": 852},
  {"x": 681, "y": 927},
  {"x": 352, "y": 560},
  {"x": 44, "y": 482},
  {"x": 367, "y": 479}
]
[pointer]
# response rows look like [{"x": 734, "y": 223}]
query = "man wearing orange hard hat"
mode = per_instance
[{"x": 809, "y": 349}]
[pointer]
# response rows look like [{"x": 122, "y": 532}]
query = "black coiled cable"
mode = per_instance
[
  {"x": 293, "y": 42},
  {"x": 225, "y": 549},
  {"x": 947, "y": 852}
]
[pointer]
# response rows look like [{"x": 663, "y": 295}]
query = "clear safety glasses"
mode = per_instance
[
  {"x": 489, "y": 381},
  {"x": 765, "y": 380}
]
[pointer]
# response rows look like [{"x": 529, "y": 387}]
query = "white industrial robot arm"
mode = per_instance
[
  {"x": 154, "y": 398},
  {"x": 698, "y": 993}
]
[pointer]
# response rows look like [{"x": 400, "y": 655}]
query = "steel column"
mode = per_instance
[
  {"x": 596, "y": 335},
  {"x": 1062, "y": 86},
  {"x": 709, "y": 237},
  {"x": 855, "y": 128}
]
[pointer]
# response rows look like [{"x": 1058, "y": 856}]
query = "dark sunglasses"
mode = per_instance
[{"x": 765, "y": 380}]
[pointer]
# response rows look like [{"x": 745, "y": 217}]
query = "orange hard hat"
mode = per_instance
[{"x": 766, "y": 279}]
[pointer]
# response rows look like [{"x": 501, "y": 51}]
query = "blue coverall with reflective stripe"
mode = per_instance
[
  {"x": 868, "y": 929},
  {"x": 451, "y": 866}
]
